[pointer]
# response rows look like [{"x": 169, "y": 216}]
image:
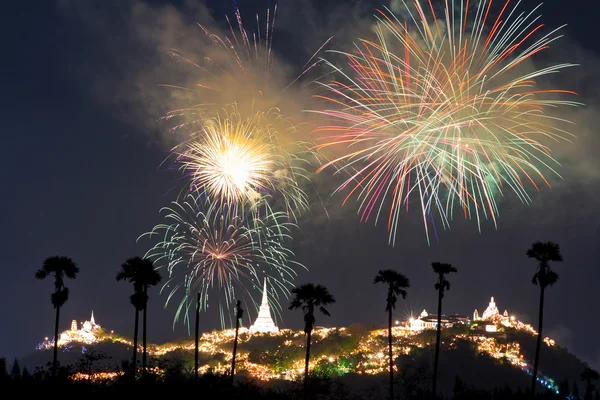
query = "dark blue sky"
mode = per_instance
[{"x": 81, "y": 177}]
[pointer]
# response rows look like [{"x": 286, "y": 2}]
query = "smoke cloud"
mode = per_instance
[{"x": 148, "y": 46}]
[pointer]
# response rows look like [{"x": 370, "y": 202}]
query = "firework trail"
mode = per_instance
[
  {"x": 243, "y": 125},
  {"x": 444, "y": 108},
  {"x": 208, "y": 249}
]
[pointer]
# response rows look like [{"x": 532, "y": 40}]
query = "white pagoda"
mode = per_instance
[{"x": 264, "y": 323}]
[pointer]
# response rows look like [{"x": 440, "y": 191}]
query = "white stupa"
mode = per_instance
[{"x": 264, "y": 323}]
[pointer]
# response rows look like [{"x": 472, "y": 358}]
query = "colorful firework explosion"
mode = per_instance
[
  {"x": 446, "y": 109},
  {"x": 207, "y": 248}
]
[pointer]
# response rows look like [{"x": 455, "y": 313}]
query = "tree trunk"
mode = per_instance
[
  {"x": 135, "y": 343},
  {"x": 307, "y": 355},
  {"x": 538, "y": 346},
  {"x": 237, "y": 328},
  {"x": 437, "y": 340},
  {"x": 197, "y": 334},
  {"x": 144, "y": 331},
  {"x": 390, "y": 350},
  {"x": 306, "y": 363},
  {"x": 55, "y": 357}
]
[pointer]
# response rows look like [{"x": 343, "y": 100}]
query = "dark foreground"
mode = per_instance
[{"x": 220, "y": 387}]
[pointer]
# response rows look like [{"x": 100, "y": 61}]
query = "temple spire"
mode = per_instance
[
  {"x": 264, "y": 322},
  {"x": 265, "y": 299}
]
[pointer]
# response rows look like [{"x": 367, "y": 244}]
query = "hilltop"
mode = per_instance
[{"x": 484, "y": 360}]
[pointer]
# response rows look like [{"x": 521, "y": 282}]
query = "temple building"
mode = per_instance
[
  {"x": 423, "y": 321},
  {"x": 85, "y": 334},
  {"x": 429, "y": 321},
  {"x": 264, "y": 323},
  {"x": 492, "y": 314}
]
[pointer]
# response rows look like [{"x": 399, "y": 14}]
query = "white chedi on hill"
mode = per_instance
[{"x": 264, "y": 323}]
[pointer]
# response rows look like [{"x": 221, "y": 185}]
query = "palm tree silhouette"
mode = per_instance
[
  {"x": 544, "y": 277},
  {"x": 239, "y": 313},
  {"x": 397, "y": 285},
  {"x": 588, "y": 375},
  {"x": 197, "y": 336},
  {"x": 61, "y": 268},
  {"x": 441, "y": 269},
  {"x": 131, "y": 271},
  {"x": 310, "y": 297},
  {"x": 149, "y": 277}
]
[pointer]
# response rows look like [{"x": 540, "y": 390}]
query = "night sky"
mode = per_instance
[{"x": 82, "y": 151}]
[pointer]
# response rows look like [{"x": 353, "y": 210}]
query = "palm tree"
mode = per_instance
[
  {"x": 397, "y": 285},
  {"x": 308, "y": 297},
  {"x": 544, "y": 277},
  {"x": 149, "y": 277},
  {"x": 238, "y": 316},
  {"x": 131, "y": 271},
  {"x": 588, "y": 375},
  {"x": 441, "y": 269},
  {"x": 61, "y": 268}
]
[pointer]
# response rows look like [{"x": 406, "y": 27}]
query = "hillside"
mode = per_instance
[{"x": 484, "y": 360}]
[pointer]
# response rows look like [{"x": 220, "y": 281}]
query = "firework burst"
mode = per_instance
[
  {"x": 239, "y": 161},
  {"x": 445, "y": 107},
  {"x": 206, "y": 248},
  {"x": 229, "y": 160},
  {"x": 241, "y": 147}
]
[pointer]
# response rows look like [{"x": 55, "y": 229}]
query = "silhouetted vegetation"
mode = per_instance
[
  {"x": 60, "y": 268},
  {"x": 309, "y": 297},
  {"x": 544, "y": 253},
  {"x": 239, "y": 313},
  {"x": 142, "y": 274},
  {"x": 589, "y": 376},
  {"x": 397, "y": 285},
  {"x": 413, "y": 382},
  {"x": 441, "y": 269},
  {"x": 149, "y": 277}
]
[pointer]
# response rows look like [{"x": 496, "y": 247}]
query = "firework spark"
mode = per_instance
[
  {"x": 446, "y": 109},
  {"x": 208, "y": 249}
]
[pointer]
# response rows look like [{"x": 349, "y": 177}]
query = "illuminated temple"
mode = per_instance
[
  {"x": 85, "y": 334},
  {"x": 490, "y": 318},
  {"x": 264, "y": 323},
  {"x": 491, "y": 315}
]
